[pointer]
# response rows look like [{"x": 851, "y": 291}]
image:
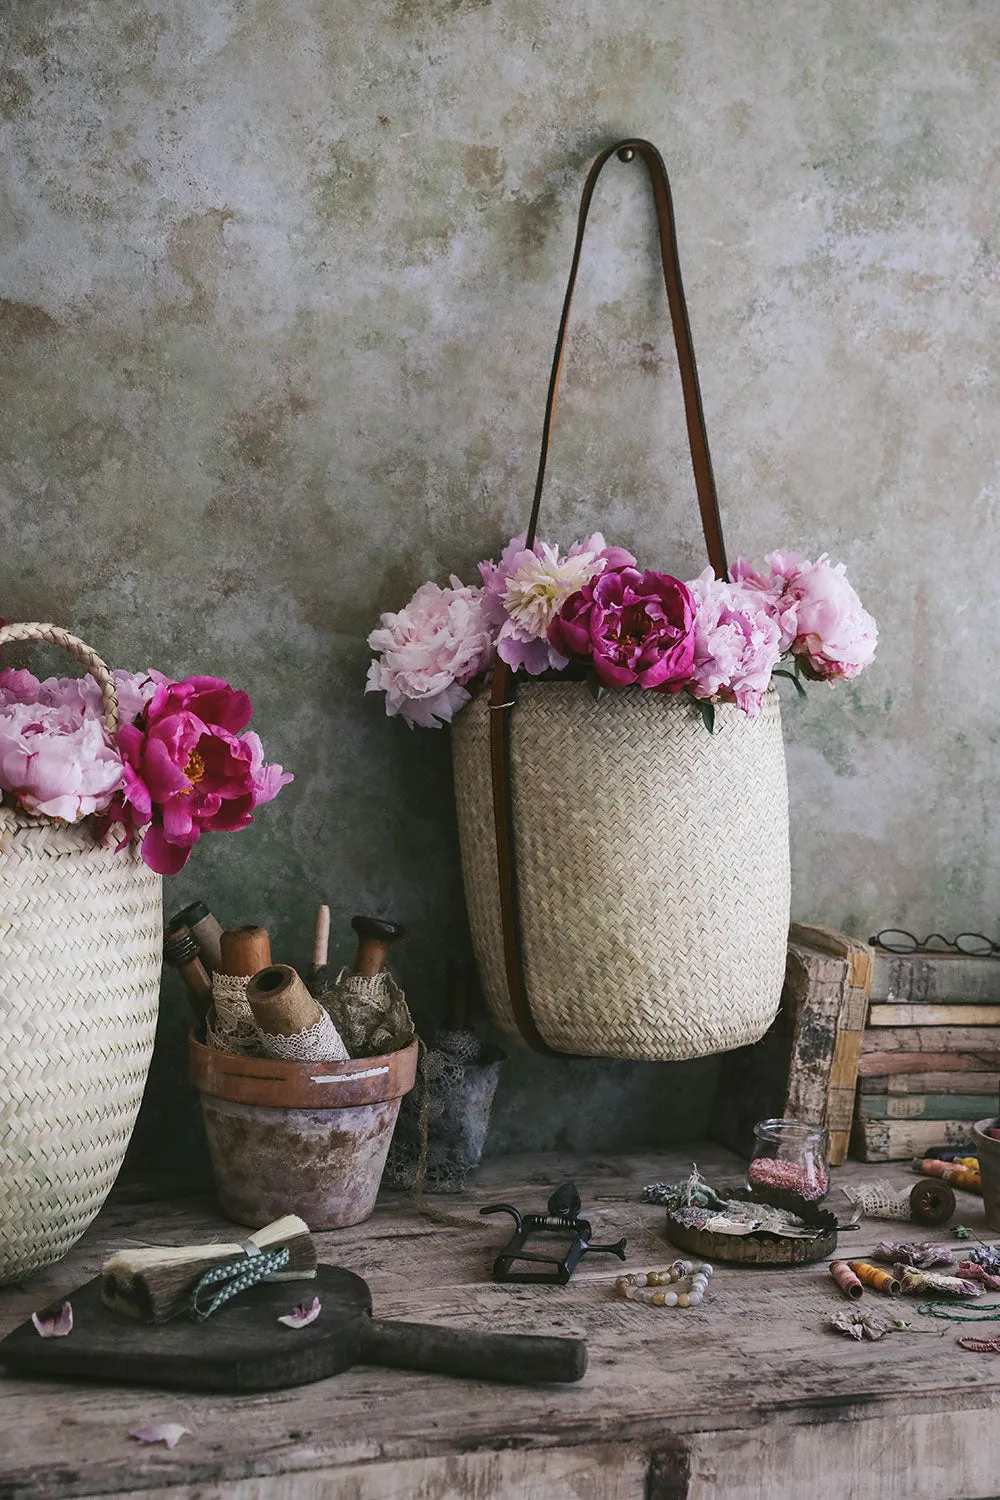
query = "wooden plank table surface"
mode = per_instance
[{"x": 748, "y": 1396}]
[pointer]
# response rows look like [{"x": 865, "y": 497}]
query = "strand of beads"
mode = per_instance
[{"x": 641, "y": 1288}]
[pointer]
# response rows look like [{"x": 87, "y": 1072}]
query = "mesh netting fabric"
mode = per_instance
[{"x": 370, "y": 1013}]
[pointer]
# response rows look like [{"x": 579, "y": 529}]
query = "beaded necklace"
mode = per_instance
[{"x": 640, "y": 1288}]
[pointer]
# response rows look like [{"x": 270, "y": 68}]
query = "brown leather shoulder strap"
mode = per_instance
[
  {"x": 503, "y": 695},
  {"x": 701, "y": 458}
]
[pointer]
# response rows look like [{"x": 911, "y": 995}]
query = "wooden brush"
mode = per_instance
[{"x": 155, "y": 1283}]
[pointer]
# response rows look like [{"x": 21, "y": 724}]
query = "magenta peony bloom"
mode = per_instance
[
  {"x": 819, "y": 614},
  {"x": 737, "y": 643},
  {"x": 187, "y": 772},
  {"x": 429, "y": 651},
  {"x": 54, "y": 761},
  {"x": 632, "y": 626}
]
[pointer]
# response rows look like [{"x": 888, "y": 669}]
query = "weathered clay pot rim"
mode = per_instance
[
  {"x": 980, "y": 1128},
  {"x": 277, "y": 1084}
]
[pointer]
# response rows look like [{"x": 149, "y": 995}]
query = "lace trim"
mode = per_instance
[
  {"x": 318, "y": 1043},
  {"x": 231, "y": 1026}
]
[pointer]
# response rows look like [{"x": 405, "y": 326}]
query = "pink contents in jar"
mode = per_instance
[{"x": 807, "y": 1182}]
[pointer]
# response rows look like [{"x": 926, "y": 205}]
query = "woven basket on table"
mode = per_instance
[
  {"x": 626, "y": 871},
  {"x": 80, "y": 952}
]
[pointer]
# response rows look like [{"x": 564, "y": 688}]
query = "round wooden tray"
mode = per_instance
[{"x": 758, "y": 1249}]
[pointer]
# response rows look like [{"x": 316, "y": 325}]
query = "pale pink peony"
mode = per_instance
[
  {"x": 79, "y": 693},
  {"x": 737, "y": 643},
  {"x": 523, "y": 593},
  {"x": 819, "y": 614},
  {"x": 56, "y": 761},
  {"x": 429, "y": 651}
]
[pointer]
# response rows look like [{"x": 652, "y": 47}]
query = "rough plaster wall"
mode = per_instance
[{"x": 281, "y": 283}]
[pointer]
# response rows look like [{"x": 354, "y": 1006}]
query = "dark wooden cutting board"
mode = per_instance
[{"x": 243, "y": 1347}]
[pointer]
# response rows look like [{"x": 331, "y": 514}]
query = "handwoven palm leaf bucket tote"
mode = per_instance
[
  {"x": 81, "y": 933},
  {"x": 626, "y": 871}
]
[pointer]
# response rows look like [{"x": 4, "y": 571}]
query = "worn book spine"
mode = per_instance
[
  {"x": 898, "y": 1140},
  {"x": 943, "y": 977},
  {"x": 962, "y": 1081},
  {"x": 983, "y": 1041},
  {"x": 921, "y": 1106},
  {"x": 955, "y": 1013}
]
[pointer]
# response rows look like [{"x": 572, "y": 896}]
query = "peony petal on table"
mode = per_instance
[
  {"x": 303, "y": 1315},
  {"x": 54, "y": 1325},
  {"x": 167, "y": 1433}
]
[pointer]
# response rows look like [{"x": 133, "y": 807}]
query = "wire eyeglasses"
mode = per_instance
[{"x": 975, "y": 944}]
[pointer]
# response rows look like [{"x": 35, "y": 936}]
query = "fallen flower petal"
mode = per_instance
[
  {"x": 302, "y": 1315},
  {"x": 54, "y": 1325},
  {"x": 168, "y": 1433}
]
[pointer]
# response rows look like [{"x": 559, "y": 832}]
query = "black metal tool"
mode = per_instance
[{"x": 537, "y": 1236}]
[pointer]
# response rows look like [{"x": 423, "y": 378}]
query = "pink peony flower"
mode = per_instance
[
  {"x": 186, "y": 770},
  {"x": 429, "y": 651},
  {"x": 524, "y": 592},
  {"x": 632, "y": 626},
  {"x": 737, "y": 642},
  {"x": 819, "y": 614},
  {"x": 55, "y": 762},
  {"x": 78, "y": 693}
]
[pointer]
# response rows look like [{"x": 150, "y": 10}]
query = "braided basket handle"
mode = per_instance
[{"x": 88, "y": 659}]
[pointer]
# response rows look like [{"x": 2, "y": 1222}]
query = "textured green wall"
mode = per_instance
[{"x": 281, "y": 280}]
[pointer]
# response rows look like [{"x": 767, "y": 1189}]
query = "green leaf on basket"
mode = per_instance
[
  {"x": 597, "y": 688},
  {"x": 707, "y": 711},
  {"x": 792, "y": 677}
]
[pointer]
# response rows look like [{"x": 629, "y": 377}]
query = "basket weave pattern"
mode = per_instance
[
  {"x": 80, "y": 952},
  {"x": 81, "y": 932},
  {"x": 652, "y": 867}
]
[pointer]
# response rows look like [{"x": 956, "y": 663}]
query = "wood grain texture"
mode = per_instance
[{"x": 747, "y": 1396}]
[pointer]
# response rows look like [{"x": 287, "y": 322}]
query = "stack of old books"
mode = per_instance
[{"x": 930, "y": 1056}]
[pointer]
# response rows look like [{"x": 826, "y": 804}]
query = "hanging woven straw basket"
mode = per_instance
[
  {"x": 81, "y": 931},
  {"x": 626, "y": 871}
]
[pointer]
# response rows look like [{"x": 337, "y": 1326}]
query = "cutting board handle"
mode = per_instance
[{"x": 519, "y": 1359}]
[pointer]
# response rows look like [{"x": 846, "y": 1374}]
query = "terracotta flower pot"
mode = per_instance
[{"x": 308, "y": 1138}]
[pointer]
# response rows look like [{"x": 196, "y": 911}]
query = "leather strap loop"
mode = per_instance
[
  {"x": 701, "y": 458},
  {"x": 503, "y": 693}
]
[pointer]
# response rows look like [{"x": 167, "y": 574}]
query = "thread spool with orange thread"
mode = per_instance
[
  {"x": 875, "y": 1276},
  {"x": 960, "y": 1177}
]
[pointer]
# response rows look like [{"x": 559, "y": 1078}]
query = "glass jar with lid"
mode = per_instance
[{"x": 788, "y": 1168}]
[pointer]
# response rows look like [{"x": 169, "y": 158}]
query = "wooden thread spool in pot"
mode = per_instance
[
  {"x": 289, "y": 1021},
  {"x": 244, "y": 951}
]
